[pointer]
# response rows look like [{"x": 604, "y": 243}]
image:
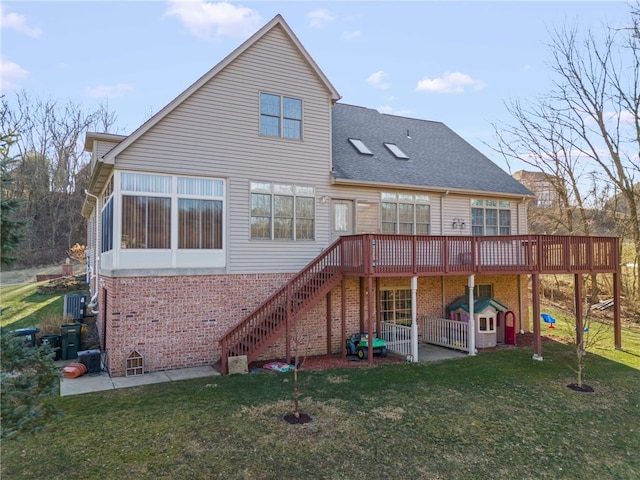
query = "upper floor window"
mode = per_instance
[
  {"x": 280, "y": 116},
  {"x": 282, "y": 212},
  {"x": 490, "y": 217},
  {"x": 406, "y": 214}
]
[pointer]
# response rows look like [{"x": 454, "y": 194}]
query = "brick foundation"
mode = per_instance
[{"x": 177, "y": 322}]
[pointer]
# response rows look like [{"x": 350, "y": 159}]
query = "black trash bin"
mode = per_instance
[
  {"x": 70, "y": 340},
  {"x": 28, "y": 334},
  {"x": 90, "y": 359},
  {"x": 54, "y": 342}
]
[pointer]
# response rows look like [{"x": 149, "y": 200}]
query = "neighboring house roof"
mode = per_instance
[
  {"x": 438, "y": 158},
  {"x": 276, "y": 22},
  {"x": 479, "y": 304}
]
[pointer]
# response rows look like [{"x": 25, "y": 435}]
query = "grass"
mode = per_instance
[
  {"x": 497, "y": 415},
  {"x": 23, "y": 306}
]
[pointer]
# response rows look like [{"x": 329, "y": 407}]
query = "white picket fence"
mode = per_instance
[
  {"x": 398, "y": 338},
  {"x": 444, "y": 332}
]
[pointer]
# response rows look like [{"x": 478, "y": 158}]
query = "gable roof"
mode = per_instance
[
  {"x": 439, "y": 159},
  {"x": 277, "y": 21},
  {"x": 479, "y": 304}
]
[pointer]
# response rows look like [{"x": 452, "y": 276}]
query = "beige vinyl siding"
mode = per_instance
[
  {"x": 455, "y": 206},
  {"x": 216, "y": 132}
]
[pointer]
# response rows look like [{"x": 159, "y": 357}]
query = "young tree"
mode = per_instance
[
  {"x": 11, "y": 226},
  {"x": 29, "y": 381}
]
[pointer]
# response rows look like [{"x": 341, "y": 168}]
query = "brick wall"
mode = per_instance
[{"x": 176, "y": 322}]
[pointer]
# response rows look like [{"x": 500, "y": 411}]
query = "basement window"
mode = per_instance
[
  {"x": 360, "y": 146},
  {"x": 393, "y": 148}
]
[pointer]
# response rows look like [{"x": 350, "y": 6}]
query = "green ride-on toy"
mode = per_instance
[{"x": 358, "y": 344}]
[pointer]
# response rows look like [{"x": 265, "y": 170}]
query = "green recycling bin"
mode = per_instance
[
  {"x": 70, "y": 340},
  {"x": 54, "y": 342}
]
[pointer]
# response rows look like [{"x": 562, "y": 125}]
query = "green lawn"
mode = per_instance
[
  {"x": 497, "y": 415},
  {"x": 22, "y": 306}
]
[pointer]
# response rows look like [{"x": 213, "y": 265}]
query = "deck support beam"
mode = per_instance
[
  {"x": 472, "y": 322},
  {"x": 617, "y": 329},
  {"x": 329, "y": 323},
  {"x": 370, "y": 315},
  {"x": 535, "y": 294},
  {"x": 414, "y": 319},
  {"x": 343, "y": 315}
]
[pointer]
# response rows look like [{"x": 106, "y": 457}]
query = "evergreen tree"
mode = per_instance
[{"x": 11, "y": 227}]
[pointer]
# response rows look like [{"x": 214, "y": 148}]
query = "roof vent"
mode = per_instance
[
  {"x": 360, "y": 146},
  {"x": 393, "y": 148}
]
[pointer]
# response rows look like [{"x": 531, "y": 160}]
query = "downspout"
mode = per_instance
[{"x": 94, "y": 299}]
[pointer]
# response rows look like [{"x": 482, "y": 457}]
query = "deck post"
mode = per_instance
[
  {"x": 414, "y": 319},
  {"x": 472, "y": 322},
  {"x": 329, "y": 315},
  {"x": 370, "y": 314},
  {"x": 577, "y": 286},
  {"x": 617, "y": 330},
  {"x": 343, "y": 315},
  {"x": 537, "y": 341}
]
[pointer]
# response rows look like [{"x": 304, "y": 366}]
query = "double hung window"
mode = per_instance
[
  {"x": 282, "y": 211},
  {"x": 405, "y": 214},
  {"x": 490, "y": 217},
  {"x": 280, "y": 116}
]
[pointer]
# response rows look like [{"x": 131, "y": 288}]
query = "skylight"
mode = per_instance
[
  {"x": 360, "y": 146},
  {"x": 393, "y": 148}
]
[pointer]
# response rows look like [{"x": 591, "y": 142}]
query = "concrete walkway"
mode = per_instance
[
  {"x": 102, "y": 381},
  {"x": 99, "y": 382}
]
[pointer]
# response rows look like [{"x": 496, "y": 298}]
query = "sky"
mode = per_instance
[{"x": 454, "y": 62}]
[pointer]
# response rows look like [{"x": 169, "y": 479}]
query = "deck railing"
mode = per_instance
[
  {"x": 398, "y": 338},
  {"x": 392, "y": 255},
  {"x": 444, "y": 332}
]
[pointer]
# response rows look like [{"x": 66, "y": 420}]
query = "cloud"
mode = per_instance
[
  {"x": 321, "y": 17},
  {"x": 455, "y": 82},
  {"x": 388, "y": 109},
  {"x": 10, "y": 74},
  {"x": 108, "y": 91},
  {"x": 201, "y": 18},
  {"x": 351, "y": 34},
  {"x": 18, "y": 23},
  {"x": 379, "y": 80}
]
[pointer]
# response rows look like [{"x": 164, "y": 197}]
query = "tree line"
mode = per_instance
[{"x": 44, "y": 174}]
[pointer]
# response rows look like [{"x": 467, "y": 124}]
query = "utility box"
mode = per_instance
[
  {"x": 90, "y": 359},
  {"x": 74, "y": 306},
  {"x": 70, "y": 340}
]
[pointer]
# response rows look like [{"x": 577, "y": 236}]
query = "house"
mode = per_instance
[
  {"x": 542, "y": 185},
  {"x": 255, "y": 208}
]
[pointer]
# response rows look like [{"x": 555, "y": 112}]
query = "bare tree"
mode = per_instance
[
  {"x": 586, "y": 130},
  {"x": 51, "y": 171}
]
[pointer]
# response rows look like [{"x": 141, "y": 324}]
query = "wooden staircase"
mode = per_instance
[{"x": 278, "y": 314}]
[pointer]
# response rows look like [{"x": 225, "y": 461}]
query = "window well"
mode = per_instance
[
  {"x": 393, "y": 148},
  {"x": 360, "y": 146}
]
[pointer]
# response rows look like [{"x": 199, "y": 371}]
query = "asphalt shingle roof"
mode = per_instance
[{"x": 438, "y": 157}]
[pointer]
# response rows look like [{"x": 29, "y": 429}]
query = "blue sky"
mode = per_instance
[{"x": 454, "y": 62}]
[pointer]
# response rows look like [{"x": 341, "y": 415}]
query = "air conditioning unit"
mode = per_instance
[{"x": 74, "y": 307}]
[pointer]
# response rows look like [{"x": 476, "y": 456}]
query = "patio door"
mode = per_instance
[{"x": 342, "y": 218}]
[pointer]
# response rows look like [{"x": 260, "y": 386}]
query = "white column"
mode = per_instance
[
  {"x": 472, "y": 323},
  {"x": 414, "y": 319}
]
